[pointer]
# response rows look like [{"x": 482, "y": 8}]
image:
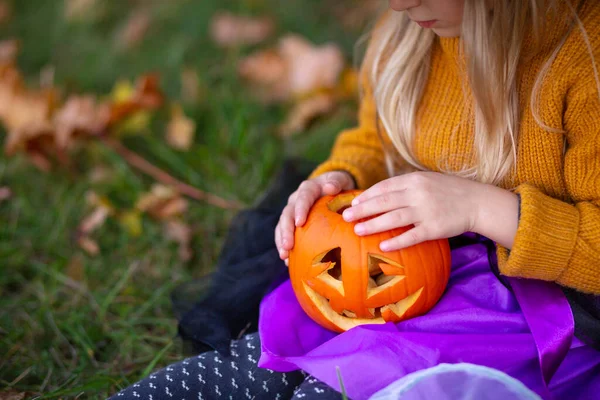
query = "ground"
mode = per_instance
[{"x": 76, "y": 325}]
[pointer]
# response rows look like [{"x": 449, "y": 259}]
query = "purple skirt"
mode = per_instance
[{"x": 526, "y": 333}]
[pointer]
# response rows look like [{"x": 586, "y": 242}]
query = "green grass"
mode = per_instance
[{"x": 72, "y": 325}]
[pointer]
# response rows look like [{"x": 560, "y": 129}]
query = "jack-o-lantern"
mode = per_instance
[{"x": 343, "y": 280}]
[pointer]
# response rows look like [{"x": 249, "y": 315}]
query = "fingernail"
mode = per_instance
[
  {"x": 297, "y": 221},
  {"x": 359, "y": 229},
  {"x": 347, "y": 214},
  {"x": 384, "y": 246},
  {"x": 355, "y": 201}
]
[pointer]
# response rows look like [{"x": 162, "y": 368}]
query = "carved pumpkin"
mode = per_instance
[{"x": 343, "y": 280}]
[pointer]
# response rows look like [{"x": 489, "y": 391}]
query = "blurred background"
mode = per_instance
[{"x": 132, "y": 132}]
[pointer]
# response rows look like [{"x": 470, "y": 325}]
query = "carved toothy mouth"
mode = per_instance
[{"x": 384, "y": 274}]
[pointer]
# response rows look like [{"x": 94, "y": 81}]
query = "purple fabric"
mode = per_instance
[{"x": 527, "y": 335}]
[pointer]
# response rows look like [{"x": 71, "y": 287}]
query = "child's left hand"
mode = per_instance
[{"x": 440, "y": 206}]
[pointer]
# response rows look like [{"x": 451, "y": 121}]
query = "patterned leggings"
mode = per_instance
[{"x": 211, "y": 376}]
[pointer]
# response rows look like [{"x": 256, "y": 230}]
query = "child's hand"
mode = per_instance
[
  {"x": 296, "y": 211},
  {"x": 439, "y": 206}
]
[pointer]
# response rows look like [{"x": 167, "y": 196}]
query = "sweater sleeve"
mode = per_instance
[
  {"x": 359, "y": 150},
  {"x": 556, "y": 240}
]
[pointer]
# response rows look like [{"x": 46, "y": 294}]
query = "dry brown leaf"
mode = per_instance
[
  {"x": 267, "y": 71},
  {"x": 296, "y": 68},
  {"x": 80, "y": 114},
  {"x": 304, "y": 112},
  {"x": 180, "y": 130},
  {"x": 9, "y": 49},
  {"x": 162, "y": 202},
  {"x": 78, "y": 9},
  {"x": 134, "y": 30},
  {"x": 37, "y": 124},
  {"x": 311, "y": 67},
  {"x": 5, "y": 193},
  {"x": 182, "y": 234},
  {"x": 89, "y": 245},
  {"x": 94, "y": 220},
  {"x": 5, "y": 11},
  {"x": 228, "y": 29},
  {"x": 11, "y": 394}
]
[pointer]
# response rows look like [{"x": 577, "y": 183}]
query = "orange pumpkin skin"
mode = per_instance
[{"x": 370, "y": 286}]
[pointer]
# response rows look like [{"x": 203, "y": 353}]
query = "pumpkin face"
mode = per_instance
[{"x": 343, "y": 280}]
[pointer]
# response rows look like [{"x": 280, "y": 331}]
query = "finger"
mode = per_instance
[
  {"x": 287, "y": 262},
  {"x": 335, "y": 182},
  {"x": 287, "y": 228},
  {"x": 376, "y": 205},
  {"x": 302, "y": 206},
  {"x": 394, "y": 219},
  {"x": 278, "y": 236},
  {"x": 395, "y": 184},
  {"x": 409, "y": 238}
]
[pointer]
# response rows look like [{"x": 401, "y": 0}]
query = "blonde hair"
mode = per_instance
[{"x": 398, "y": 64}]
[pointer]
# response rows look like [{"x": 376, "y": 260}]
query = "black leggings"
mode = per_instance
[{"x": 237, "y": 376}]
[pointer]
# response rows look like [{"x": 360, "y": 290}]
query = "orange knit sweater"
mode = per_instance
[{"x": 558, "y": 238}]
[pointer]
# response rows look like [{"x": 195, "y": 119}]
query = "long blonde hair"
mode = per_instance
[{"x": 398, "y": 63}]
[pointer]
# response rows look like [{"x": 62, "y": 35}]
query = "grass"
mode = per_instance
[{"x": 76, "y": 326}]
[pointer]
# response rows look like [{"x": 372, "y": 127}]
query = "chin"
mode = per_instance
[{"x": 448, "y": 32}]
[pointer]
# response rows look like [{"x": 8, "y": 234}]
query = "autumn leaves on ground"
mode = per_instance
[{"x": 132, "y": 132}]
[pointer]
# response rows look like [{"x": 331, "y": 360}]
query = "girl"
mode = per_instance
[{"x": 479, "y": 122}]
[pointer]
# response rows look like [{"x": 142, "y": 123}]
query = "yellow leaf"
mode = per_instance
[
  {"x": 181, "y": 129},
  {"x": 132, "y": 222},
  {"x": 137, "y": 123},
  {"x": 122, "y": 91}
]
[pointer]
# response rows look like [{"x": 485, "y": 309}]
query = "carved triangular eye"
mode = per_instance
[{"x": 327, "y": 267}]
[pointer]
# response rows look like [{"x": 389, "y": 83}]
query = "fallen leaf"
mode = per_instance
[
  {"x": 15, "y": 395},
  {"x": 131, "y": 220},
  {"x": 5, "y": 193},
  {"x": 9, "y": 49},
  {"x": 180, "y": 130},
  {"x": 37, "y": 124},
  {"x": 94, "y": 220},
  {"x": 304, "y": 112},
  {"x": 162, "y": 202},
  {"x": 79, "y": 114},
  {"x": 134, "y": 30},
  {"x": 311, "y": 67},
  {"x": 296, "y": 68},
  {"x": 79, "y": 9},
  {"x": 182, "y": 234},
  {"x": 267, "y": 71},
  {"x": 88, "y": 245},
  {"x": 228, "y": 29}
]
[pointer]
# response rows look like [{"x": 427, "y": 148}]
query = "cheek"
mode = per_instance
[{"x": 454, "y": 10}]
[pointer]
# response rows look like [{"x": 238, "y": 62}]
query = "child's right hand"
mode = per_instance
[{"x": 300, "y": 202}]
